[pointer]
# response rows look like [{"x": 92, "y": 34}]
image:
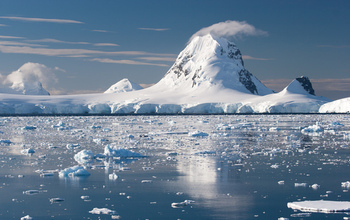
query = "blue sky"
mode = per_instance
[{"x": 90, "y": 45}]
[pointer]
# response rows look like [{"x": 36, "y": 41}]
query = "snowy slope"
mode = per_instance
[
  {"x": 207, "y": 77},
  {"x": 337, "y": 106},
  {"x": 123, "y": 85}
]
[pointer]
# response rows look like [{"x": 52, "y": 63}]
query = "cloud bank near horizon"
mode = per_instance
[{"x": 230, "y": 29}]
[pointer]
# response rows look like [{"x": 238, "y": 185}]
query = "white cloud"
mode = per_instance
[
  {"x": 31, "y": 72},
  {"x": 14, "y": 43},
  {"x": 170, "y": 59},
  {"x": 129, "y": 62},
  {"x": 10, "y": 37},
  {"x": 71, "y": 52},
  {"x": 154, "y": 29},
  {"x": 50, "y": 40},
  {"x": 42, "y": 20},
  {"x": 101, "y": 31},
  {"x": 229, "y": 29},
  {"x": 3, "y": 25},
  {"x": 247, "y": 57},
  {"x": 106, "y": 45}
]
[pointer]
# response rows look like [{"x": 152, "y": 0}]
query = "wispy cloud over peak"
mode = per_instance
[
  {"x": 154, "y": 29},
  {"x": 247, "y": 57},
  {"x": 50, "y": 20},
  {"x": 230, "y": 29},
  {"x": 130, "y": 62}
]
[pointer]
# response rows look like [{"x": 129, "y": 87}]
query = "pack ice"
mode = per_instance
[{"x": 208, "y": 76}]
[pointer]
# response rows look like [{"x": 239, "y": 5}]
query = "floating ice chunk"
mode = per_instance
[
  {"x": 282, "y": 218},
  {"x": 28, "y": 128},
  {"x": 274, "y": 129},
  {"x": 27, "y": 217},
  {"x": 103, "y": 211},
  {"x": 84, "y": 197},
  {"x": 345, "y": 184},
  {"x": 301, "y": 215},
  {"x": 56, "y": 200},
  {"x": 313, "y": 130},
  {"x": 113, "y": 176},
  {"x": 181, "y": 204},
  {"x": 74, "y": 171},
  {"x": 108, "y": 151},
  {"x": 335, "y": 125},
  {"x": 281, "y": 182},
  {"x": 275, "y": 166},
  {"x": 197, "y": 134},
  {"x": 320, "y": 206},
  {"x": 84, "y": 156},
  {"x": 315, "y": 186},
  {"x": 72, "y": 146},
  {"x": 146, "y": 181},
  {"x": 300, "y": 184},
  {"x": 99, "y": 140},
  {"x": 28, "y": 151},
  {"x": 31, "y": 192}
]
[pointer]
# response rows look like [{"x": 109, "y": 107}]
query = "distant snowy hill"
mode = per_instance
[
  {"x": 337, "y": 106},
  {"x": 123, "y": 85},
  {"x": 207, "y": 77}
]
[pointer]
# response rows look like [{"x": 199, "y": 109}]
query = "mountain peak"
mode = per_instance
[
  {"x": 306, "y": 84},
  {"x": 209, "y": 61},
  {"x": 301, "y": 85},
  {"x": 124, "y": 85}
]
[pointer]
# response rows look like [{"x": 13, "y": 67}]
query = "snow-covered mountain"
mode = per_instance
[
  {"x": 123, "y": 85},
  {"x": 209, "y": 62},
  {"x": 207, "y": 77}
]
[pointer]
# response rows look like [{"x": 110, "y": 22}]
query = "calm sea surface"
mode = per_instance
[{"x": 212, "y": 166}]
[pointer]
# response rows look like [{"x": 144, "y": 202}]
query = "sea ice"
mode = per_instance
[
  {"x": 73, "y": 171},
  {"x": 197, "y": 134},
  {"x": 84, "y": 156},
  {"x": 27, "y": 217},
  {"x": 314, "y": 130},
  {"x": 113, "y": 176},
  {"x": 103, "y": 211},
  {"x": 28, "y": 151},
  {"x": 110, "y": 152},
  {"x": 320, "y": 206},
  {"x": 181, "y": 204},
  {"x": 56, "y": 200}
]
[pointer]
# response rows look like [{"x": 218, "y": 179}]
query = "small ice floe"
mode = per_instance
[
  {"x": 146, "y": 181},
  {"x": 123, "y": 153},
  {"x": 95, "y": 127},
  {"x": 320, "y": 206},
  {"x": 56, "y": 200},
  {"x": 27, "y": 217},
  {"x": 28, "y": 151},
  {"x": 314, "y": 130},
  {"x": 281, "y": 182},
  {"x": 28, "y": 127},
  {"x": 181, "y": 204},
  {"x": 113, "y": 176},
  {"x": 31, "y": 192},
  {"x": 274, "y": 129},
  {"x": 300, "y": 184},
  {"x": 315, "y": 186},
  {"x": 73, "y": 171},
  {"x": 84, "y": 156},
  {"x": 85, "y": 197},
  {"x": 345, "y": 184},
  {"x": 198, "y": 134},
  {"x": 72, "y": 146},
  {"x": 301, "y": 215},
  {"x": 103, "y": 211},
  {"x": 99, "y": 140},
  {"x": 282, "y": 218},
  {"x": 275, "y": 166}
]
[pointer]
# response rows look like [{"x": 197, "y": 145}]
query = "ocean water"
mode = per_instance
[{"x": 211, "y": 166}]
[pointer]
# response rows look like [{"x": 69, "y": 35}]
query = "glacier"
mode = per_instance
[{"x": 208, "y": 77}]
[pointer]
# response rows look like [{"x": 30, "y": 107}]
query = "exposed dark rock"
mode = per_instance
[{"x": 305, "y": 82}]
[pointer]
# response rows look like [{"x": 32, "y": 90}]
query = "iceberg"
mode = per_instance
[
  {"x": 321, "y": 206},
  {"x": 73, "y": 171}
]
